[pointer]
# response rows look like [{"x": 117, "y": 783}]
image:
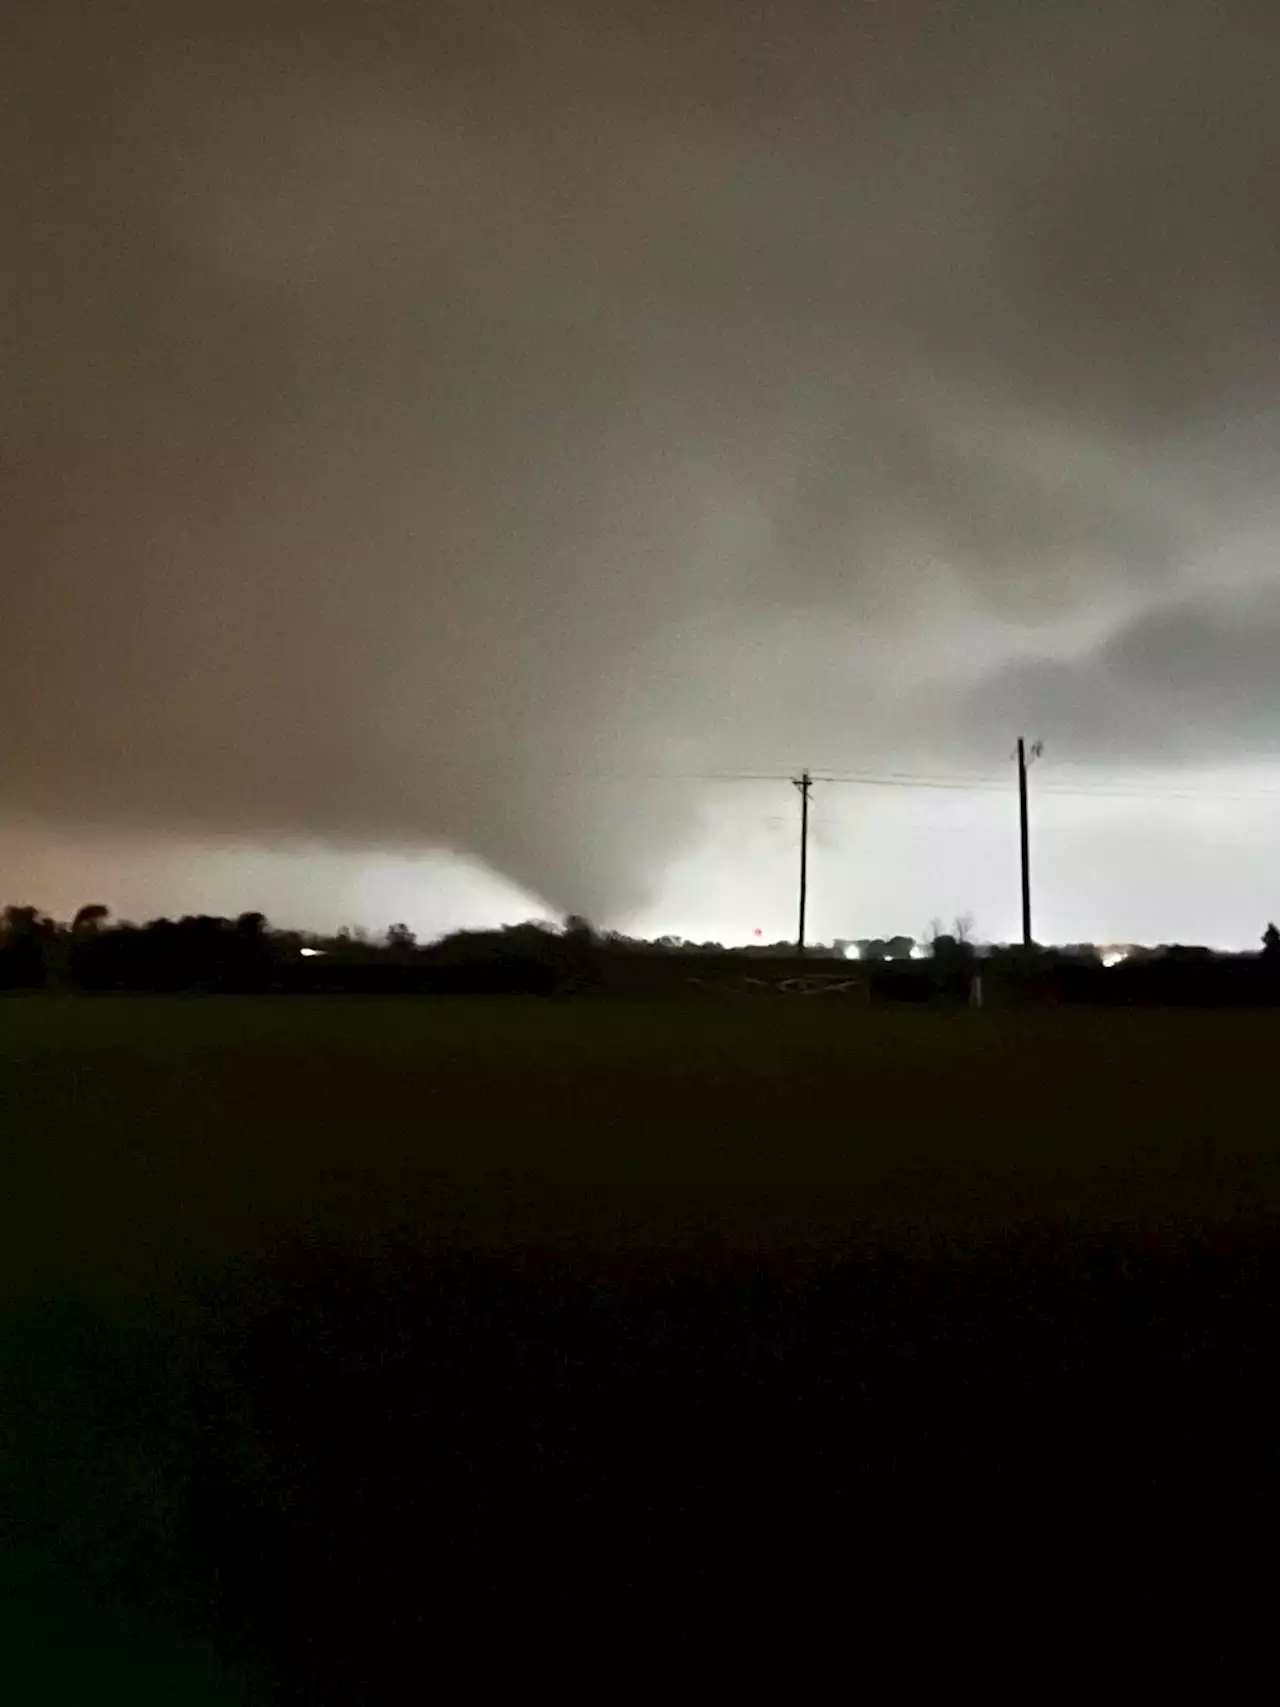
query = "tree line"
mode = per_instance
[{"x": 94, "y": 953}]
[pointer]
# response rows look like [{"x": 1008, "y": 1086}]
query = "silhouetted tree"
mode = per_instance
[
  {"x": 22, "y": 922},
  {"x": 883, "y": 948},
  {"x": 85, "y": 951},
  {"x": 27, "y": 943},
  {"x": 1271, "y": 943}
]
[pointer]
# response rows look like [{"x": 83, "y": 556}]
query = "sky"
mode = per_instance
[{"x": 462, "y": 460}]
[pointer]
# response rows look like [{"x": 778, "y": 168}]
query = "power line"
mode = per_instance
[{"x": 1101, "y": 788}]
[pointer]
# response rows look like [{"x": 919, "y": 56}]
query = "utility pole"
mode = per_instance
[
  {"x": 1025, "y": 756},
  {"x": 804, "y": 782}
]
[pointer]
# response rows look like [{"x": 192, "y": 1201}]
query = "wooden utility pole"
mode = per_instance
[
  {"x": 804, "y": 783},
  {"x": 1024, "y": 758}
]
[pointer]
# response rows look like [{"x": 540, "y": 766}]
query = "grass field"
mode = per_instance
[{"x": 366, "y": 1298}]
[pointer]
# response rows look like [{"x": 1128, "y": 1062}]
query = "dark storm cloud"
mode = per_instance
[
  {"x": 1190, "y": 681},
  {"x": 399, "y": 394}
]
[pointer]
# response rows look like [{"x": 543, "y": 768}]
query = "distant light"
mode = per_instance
[
  {"x": 919, "y": 951},
  {"x": 310, "y": 953},
  {"x": 1113, "y": 957},
  {"x": 851, "y": 951}
]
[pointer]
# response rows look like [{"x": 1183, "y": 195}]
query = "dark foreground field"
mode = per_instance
[{"x": 344, "y": 1341}]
